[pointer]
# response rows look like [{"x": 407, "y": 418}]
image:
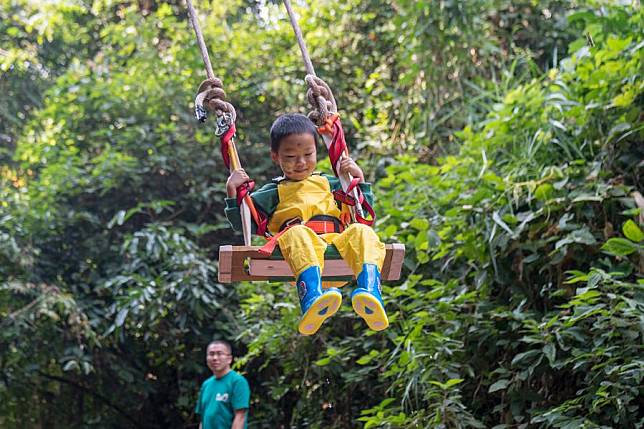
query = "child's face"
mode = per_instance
[{"x": 296, "y": 156}]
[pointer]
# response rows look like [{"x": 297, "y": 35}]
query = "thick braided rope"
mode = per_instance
[
  {"x": 192, "y": 14},
  {"x": 319, "y": 94},
  {"x": 212, "y": 95},
  {"x": 321, "y": 99}
]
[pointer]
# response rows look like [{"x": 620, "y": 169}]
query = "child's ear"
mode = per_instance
[{"x": 274, "y": 157}]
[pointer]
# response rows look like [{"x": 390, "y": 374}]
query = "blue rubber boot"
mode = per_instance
[
  {"x": 317, "y": 305},
  {"x": 366, "y": 298}
]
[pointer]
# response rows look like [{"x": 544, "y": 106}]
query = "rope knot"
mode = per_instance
[
  {"x": 212, "y": 97},
  {"x": 321, "y": 99}
]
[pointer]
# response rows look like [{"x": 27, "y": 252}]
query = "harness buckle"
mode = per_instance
[{"x": 289, "y": 223}]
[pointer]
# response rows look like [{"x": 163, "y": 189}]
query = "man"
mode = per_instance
[{"x": 224, "y": 398}]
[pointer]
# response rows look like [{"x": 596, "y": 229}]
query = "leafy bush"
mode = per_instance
[{"x": 530, "y": 238}]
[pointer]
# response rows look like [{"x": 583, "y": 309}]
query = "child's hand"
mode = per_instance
[
  {"x": 349, "y": 166},
  {"x": 235, "y": 180}
]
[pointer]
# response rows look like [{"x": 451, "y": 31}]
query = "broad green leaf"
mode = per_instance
[
  {"x": 632, "y": 231},
  {"x": 323, "y": 362},
  {"x": 619, "y": 247},
  {"x": 580, "y": 236},
  {"x": 364, "y": 360},
  {"x": 625, "y": 99},
  {"x": 332, "y": 351},
  {"x": 117, "y": 219},
  {"x": 419, "y": 224},
  {"x": 525, "y": 356},
  {"x": 449, "y": 383},
  {"x": 499, "y": 385},
  {"x": 71, "y": 365},
  {"x": 615, "y": 44},
  {"x": 453, "y": 382},
  {"x": 576, "y": 277},
  {"x": 550, "y": 352},
  {"x": 120, "y": 317},
  {"x": 544, "y": 192}
]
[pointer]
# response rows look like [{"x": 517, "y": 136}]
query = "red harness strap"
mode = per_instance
[
  {"x": 337, "y": 148},
  {"x": 225, "y": 143},
  {"x": 262, "y": 220},
  {"x": 347, "y": 199}
]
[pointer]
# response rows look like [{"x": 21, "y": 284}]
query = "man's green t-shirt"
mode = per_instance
[{"x": 219, "y": 398}]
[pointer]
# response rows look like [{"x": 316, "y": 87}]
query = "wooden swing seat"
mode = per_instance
[{"x": 245, "y": 263}]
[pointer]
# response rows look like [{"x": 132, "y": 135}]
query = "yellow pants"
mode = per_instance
[{"x": 358, "y": 244}]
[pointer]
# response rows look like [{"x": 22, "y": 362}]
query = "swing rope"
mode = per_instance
[
  {"x": 319, "y": 94},
  {"x": 211, "y": 92},
  {"x": 300, "y": 39},
  {"x": 212, "y": 95},
  {"x": 325, "y": 115},
  {"x": 192, "y": 14}
]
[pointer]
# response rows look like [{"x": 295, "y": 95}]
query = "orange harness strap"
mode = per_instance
[{"x": 318, "y": 226}]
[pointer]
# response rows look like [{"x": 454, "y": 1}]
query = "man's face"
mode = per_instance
[
  {"x": 296, "y": 156},
  {"x": 218, "y": 358}
]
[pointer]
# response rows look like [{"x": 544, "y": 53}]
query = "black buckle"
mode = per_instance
[{"x": 290, "y": 222}]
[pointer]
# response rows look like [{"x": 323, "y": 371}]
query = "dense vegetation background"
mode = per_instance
[{"x": 505, "y": 138}]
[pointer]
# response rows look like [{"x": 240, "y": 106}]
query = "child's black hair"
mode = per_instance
[{"x": 288, "y": 124}]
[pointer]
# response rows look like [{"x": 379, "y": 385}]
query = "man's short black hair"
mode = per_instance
[
  {"x": 288, "y": 124},
  {"x": 222, "y": 342}
]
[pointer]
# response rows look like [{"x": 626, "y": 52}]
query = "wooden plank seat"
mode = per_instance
[{"x": 245, "y": 263}]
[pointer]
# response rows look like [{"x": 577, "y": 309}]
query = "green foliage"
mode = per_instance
[
  {"x": 108, "y": 204},
  {"x": 521, "y": 215}
]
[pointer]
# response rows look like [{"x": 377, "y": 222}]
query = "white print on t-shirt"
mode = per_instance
[{"x": 221, "y": 397}]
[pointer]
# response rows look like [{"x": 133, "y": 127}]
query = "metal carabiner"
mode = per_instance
[{"x": 223, "y": 124}]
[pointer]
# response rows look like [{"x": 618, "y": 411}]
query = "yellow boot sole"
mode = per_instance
[
  {"x": 369, "y": 308},
  {"x": 322, "y": 308}
]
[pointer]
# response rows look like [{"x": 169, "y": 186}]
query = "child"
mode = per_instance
[{"x": 304, "y": 215}]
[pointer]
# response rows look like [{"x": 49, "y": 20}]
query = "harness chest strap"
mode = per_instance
[{"x": 318, "y": 226}]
